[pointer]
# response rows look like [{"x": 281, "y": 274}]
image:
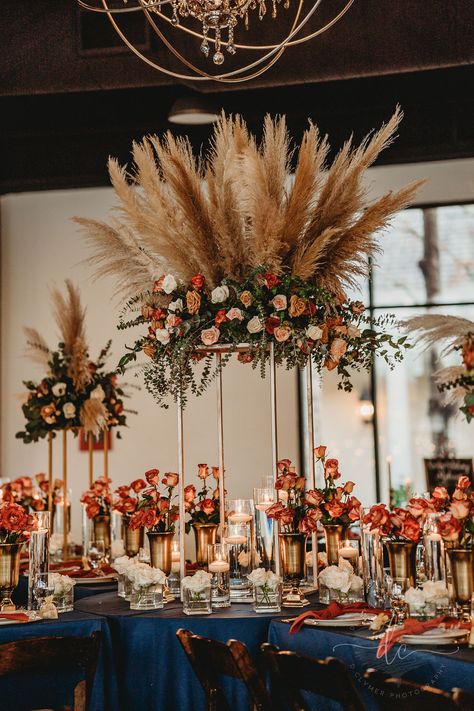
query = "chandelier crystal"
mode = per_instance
[{"x": 218, "y": 21}]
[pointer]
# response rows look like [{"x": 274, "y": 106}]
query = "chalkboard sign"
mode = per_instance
[{"x": 442, "y": 471}]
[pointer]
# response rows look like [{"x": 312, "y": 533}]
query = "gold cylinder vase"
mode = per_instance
[
  {"x": 402, "y": 562},
  {"x": 160, "y": 550},
  {"x": 292, "y": 556},
  {"x": 462, "y": 571},
  {"x": 205, "y": 534},
  {"x": 101, "y": 525},
  {"x": 334, "y": 533},
  {"x": 9, "y": 571},
  {"x": 133, "y": 539}
]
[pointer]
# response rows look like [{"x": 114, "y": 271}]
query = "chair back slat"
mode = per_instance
[
  {"x": 293, "y": 673},
  {"x": 211, "y": 660},
  {"x": 400, "y": 695},
  {"x": 58, "y": 654}
]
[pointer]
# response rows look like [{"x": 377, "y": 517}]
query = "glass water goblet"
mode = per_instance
[
  {"x": 96, "y": 554},
  {"x": 43, "y": 588}
]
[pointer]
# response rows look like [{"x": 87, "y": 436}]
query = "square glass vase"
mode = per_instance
[
  {"x": 146, "y": 598},
  {"x": 197, "y": 603},
  {"x": 64, "y": 601},
  {"x": 267, "y": 600}
]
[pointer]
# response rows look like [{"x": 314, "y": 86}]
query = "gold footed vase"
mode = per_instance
[
  {"x": 402, "y": 562},
  {"x": 205, "y": 534},
  {"x": 334, "y": 533},
  {"x": 462, "y": 571},
  {"x": 160, "y": 550},
  {"x": 292, "y": 556},
  {"x": 102, "y": 530},
  {"x": 133, "y": 539},
  {"x": 9, "y": 571}
]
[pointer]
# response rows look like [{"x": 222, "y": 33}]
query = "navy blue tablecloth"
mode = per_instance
[
  {"x": 441, "y": 667},
  {"x": 153, "y": 671},
  {"x": 20, "y": 594},
  {"x": 15, "y": 695}
]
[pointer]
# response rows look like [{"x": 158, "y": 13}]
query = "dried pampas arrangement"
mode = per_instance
[{"x": 239, "y": 208}]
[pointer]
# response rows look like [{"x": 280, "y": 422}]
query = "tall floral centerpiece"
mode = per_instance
[
  {"x": 401, "y": 532},
  {"x": 203, "y": 509},
  {"x": 456, "y": 381},
  {"x": 157, "y": 512},
  {"x": 98, "y": 504},
  {"x": 339, "y": 508},
  {"x": 15, "y": 527}
]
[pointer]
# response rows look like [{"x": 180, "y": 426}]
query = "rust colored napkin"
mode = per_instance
[
  {"x": 16, "y": 616},
  {"x": 413, "y": 626},
  {"x": 334, "y": 609}
]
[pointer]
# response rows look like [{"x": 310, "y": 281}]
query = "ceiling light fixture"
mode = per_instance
[
  {"x": 192, "y": 111},
  {"x": 219, "y": 20}
]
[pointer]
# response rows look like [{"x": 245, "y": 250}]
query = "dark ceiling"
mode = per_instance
[{"x": 70, "y": 94}]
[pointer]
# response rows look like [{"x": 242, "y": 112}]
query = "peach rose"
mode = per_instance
[
  {"x": 150, "y": 518},
  {"x": 410, "y": 529},
  {"x": 129, "y": 505},
  {"x": 152, "y": 476},
  {"x": 234, "y": 313},
  {"x": 193, "y": 302},
  {"x": 170, "y": 479},
  {"x": 338, "y": 348},
  {"x": 449, "y": 527},
  {"x": 459, "y": 509},
  {"x": 441, "y": 493},
  {"x": 189, "y": 493},
  {"x": 210, "y": 336},
  {"x": 246, "y": 299},
  {"x": 308, "y": 525},
  {"x": 137, "y": 485},
  {"x": 320, "y": 452},
  {"x": 40, "y": 477},
  {"x": 48, "y": 413},
  {"x": 418, "y": 507},
  {"x": 349, "y": 487},
  {"x": 334, "y": 508},
  {"x": 297, "y": 306},
  {"x": 279, "y": 302},
  {"x": 203, "y": 471},
  {"x": 275, "y": 510},
  {"x": 173, "y": 321},
  {"x": 282, "y": 333},
  {"x": 255, "y": 325},
  {"x": 463, "y": 483},
  {"x": 313, "y": 497},
  {"x": 283, "y": 465},
  {"x": 216, "y": 472},
  {"x": 287, "y": 516}
]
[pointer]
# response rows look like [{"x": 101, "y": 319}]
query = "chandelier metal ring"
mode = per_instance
[{"x": 216, "y": 15}]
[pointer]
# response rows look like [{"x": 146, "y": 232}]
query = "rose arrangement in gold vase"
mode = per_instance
[
  {"x": 15, "y": 527},
  {"x": 203, "y": 509},
  {"x": 32, "y": 494},
  {"x": 98, "y": 499}
]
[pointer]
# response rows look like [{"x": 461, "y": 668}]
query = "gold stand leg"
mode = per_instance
[
  {"x": 274, "y": 430},
  {"x": 106, "y": 457},
  {"x": 90, "y": 444},
  {"x": 311, "y": 464},
  {"x": 50, "y": 473},
  {"x": 66, "y": 498},
  {"x": 182, "y": 512},
  {"x": 220, "y": 446}
]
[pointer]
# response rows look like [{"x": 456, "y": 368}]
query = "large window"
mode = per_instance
[{"x": 427, "y": 265}]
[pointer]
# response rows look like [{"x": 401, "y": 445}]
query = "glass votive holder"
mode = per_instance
[
  {"x": 196, "y": 593},
  {"x": 146, "y": 598},
  {"x": 349, "y": 551},
  {"x": 238, "y": 539},
  {"x": 267, "y": 599},
  {"x": 43, "y": 588},
  {"x": 64, "y": 600},
  {"x": 239, "y": 511},
  {"x": 174, "y": 576},
  {"x": 218, "y": 566}
]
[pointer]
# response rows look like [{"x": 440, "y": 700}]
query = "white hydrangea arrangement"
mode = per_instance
[
  {"x": 425, "y": 600},
  {"x": 266, "y": 579},
  {"x": 198, "y": 582},
  {"x": 142, "y": 575},
  {"x": 62, "y": 583}
]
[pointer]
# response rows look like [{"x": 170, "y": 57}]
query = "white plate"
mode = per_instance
[
  {"x": 95, "y": 581},
  {"x": 435, "y": 637},
  {"x": 351, "y": 619}
]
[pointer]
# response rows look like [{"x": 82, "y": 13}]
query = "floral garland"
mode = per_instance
[
  {"x": 55, "y": 403},
  {"x": 464, "y": 381},
  {"x": 202, "y": 506},
  {"x": 300, "y": 319}
]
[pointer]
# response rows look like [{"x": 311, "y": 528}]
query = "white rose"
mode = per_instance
[
  {"x": 254, "y": 325},
  {"x": 258, "y": 577},
  {"x": 122, "y": 563},
  {"x": 314, "y": 332},
  {"x": 356, "y": 584},
  {"x": 415, "y": 596},
  {"x": 198, "y": 582},
  {"x": 336, "y": 578},
  {"x": 272, "y": 579},
  {"x": 435, "y": 592},
  {"x": 219, "y": 294},
  {"x": 98, "y": 393},
  {"x": 353, "y": 332},
  {"x": 345, "y": 565},
  {"x": 62, "y": 583},
  {"x": 176, "y": 305},
  {"x": 59, "y": 389},
  {"x": 143, "y": 576},
  {"x": 169, "y": 284},
  {"x": 163, "y": 336},
  {"x": 117, "y": 548},
  {"x": 69, "y": 410}
]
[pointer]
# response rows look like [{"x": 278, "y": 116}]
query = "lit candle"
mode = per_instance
[
  {"x": 239, "y": 517},
  {"x": 235, "y": 540},
  {"x": 175, "y": 560},
  {"x": 348, "y": 552},
  {"x": 218, "y": 566}
]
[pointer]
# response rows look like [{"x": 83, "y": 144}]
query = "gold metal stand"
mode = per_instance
[
  {"x": 90, "y": 444},
  {"x": 310, "y": 463},
  {"x": 50, "y": 473},
  {"x": 274, "y": 430},
  {"x": 182, "y": 511},
  {"x": 65, "y": 498},
  {"x": 220, "y": 446}
]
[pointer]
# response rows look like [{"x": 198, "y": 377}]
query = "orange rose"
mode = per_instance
[
  {"x": 334, "y": 508},
  {"x": 189, "y": 493},
  {"x": 270, "y": 280},
  {"x": 216, "y": 472},
  {"x": 203, "y": 471},
  {"x": 170, "y": 479},
  {"x": 410, "y": 529},
  {"x": 449, "y": 527},
  {"x": 193, "y": 302},
  {"x": 320, "y": 452},
  {"x": 48, "y": 413},
  {"x": 163, "y": 504},
  {"x": 331, "y": 469},
  {"x": 152, "y": 476},
  {"x": 357, "y": 307},
  {"x": 275, "y": 510},
  {"x": 287, "y": 516},
  {"x": 297, "y": 306},
  {"x": 13, "y": 518},
  {"x": 129, "y": 505},
  {"x": 282, "y": 333},
  {"x": 463, "y": 483},
  {"x": 468, "y": 353},
  {"x": 207, "y": 506},
  {"x": 459, "y": 509},
  {"x": 246, "y": 299},
  {"x": 349, "y": 487},
  {"x": 313, "y": 497},
  {"x": 147, "y": 311},
  {"x": 198, "y": 281},
  {"x": 149, "y": 518},
  {"x": 92, "y": 509},
  {"x": 419, "y": 507}
]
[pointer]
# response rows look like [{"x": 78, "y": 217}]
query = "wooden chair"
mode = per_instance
[
  {"x": 211, "y": 659},
  {"x": 292, "y": 673},
  {"x": 53, "y": 656},
  {"x": 399, "y": 695}
]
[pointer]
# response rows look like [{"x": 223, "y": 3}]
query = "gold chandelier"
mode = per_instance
[{"x": 219, "y": 20}]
